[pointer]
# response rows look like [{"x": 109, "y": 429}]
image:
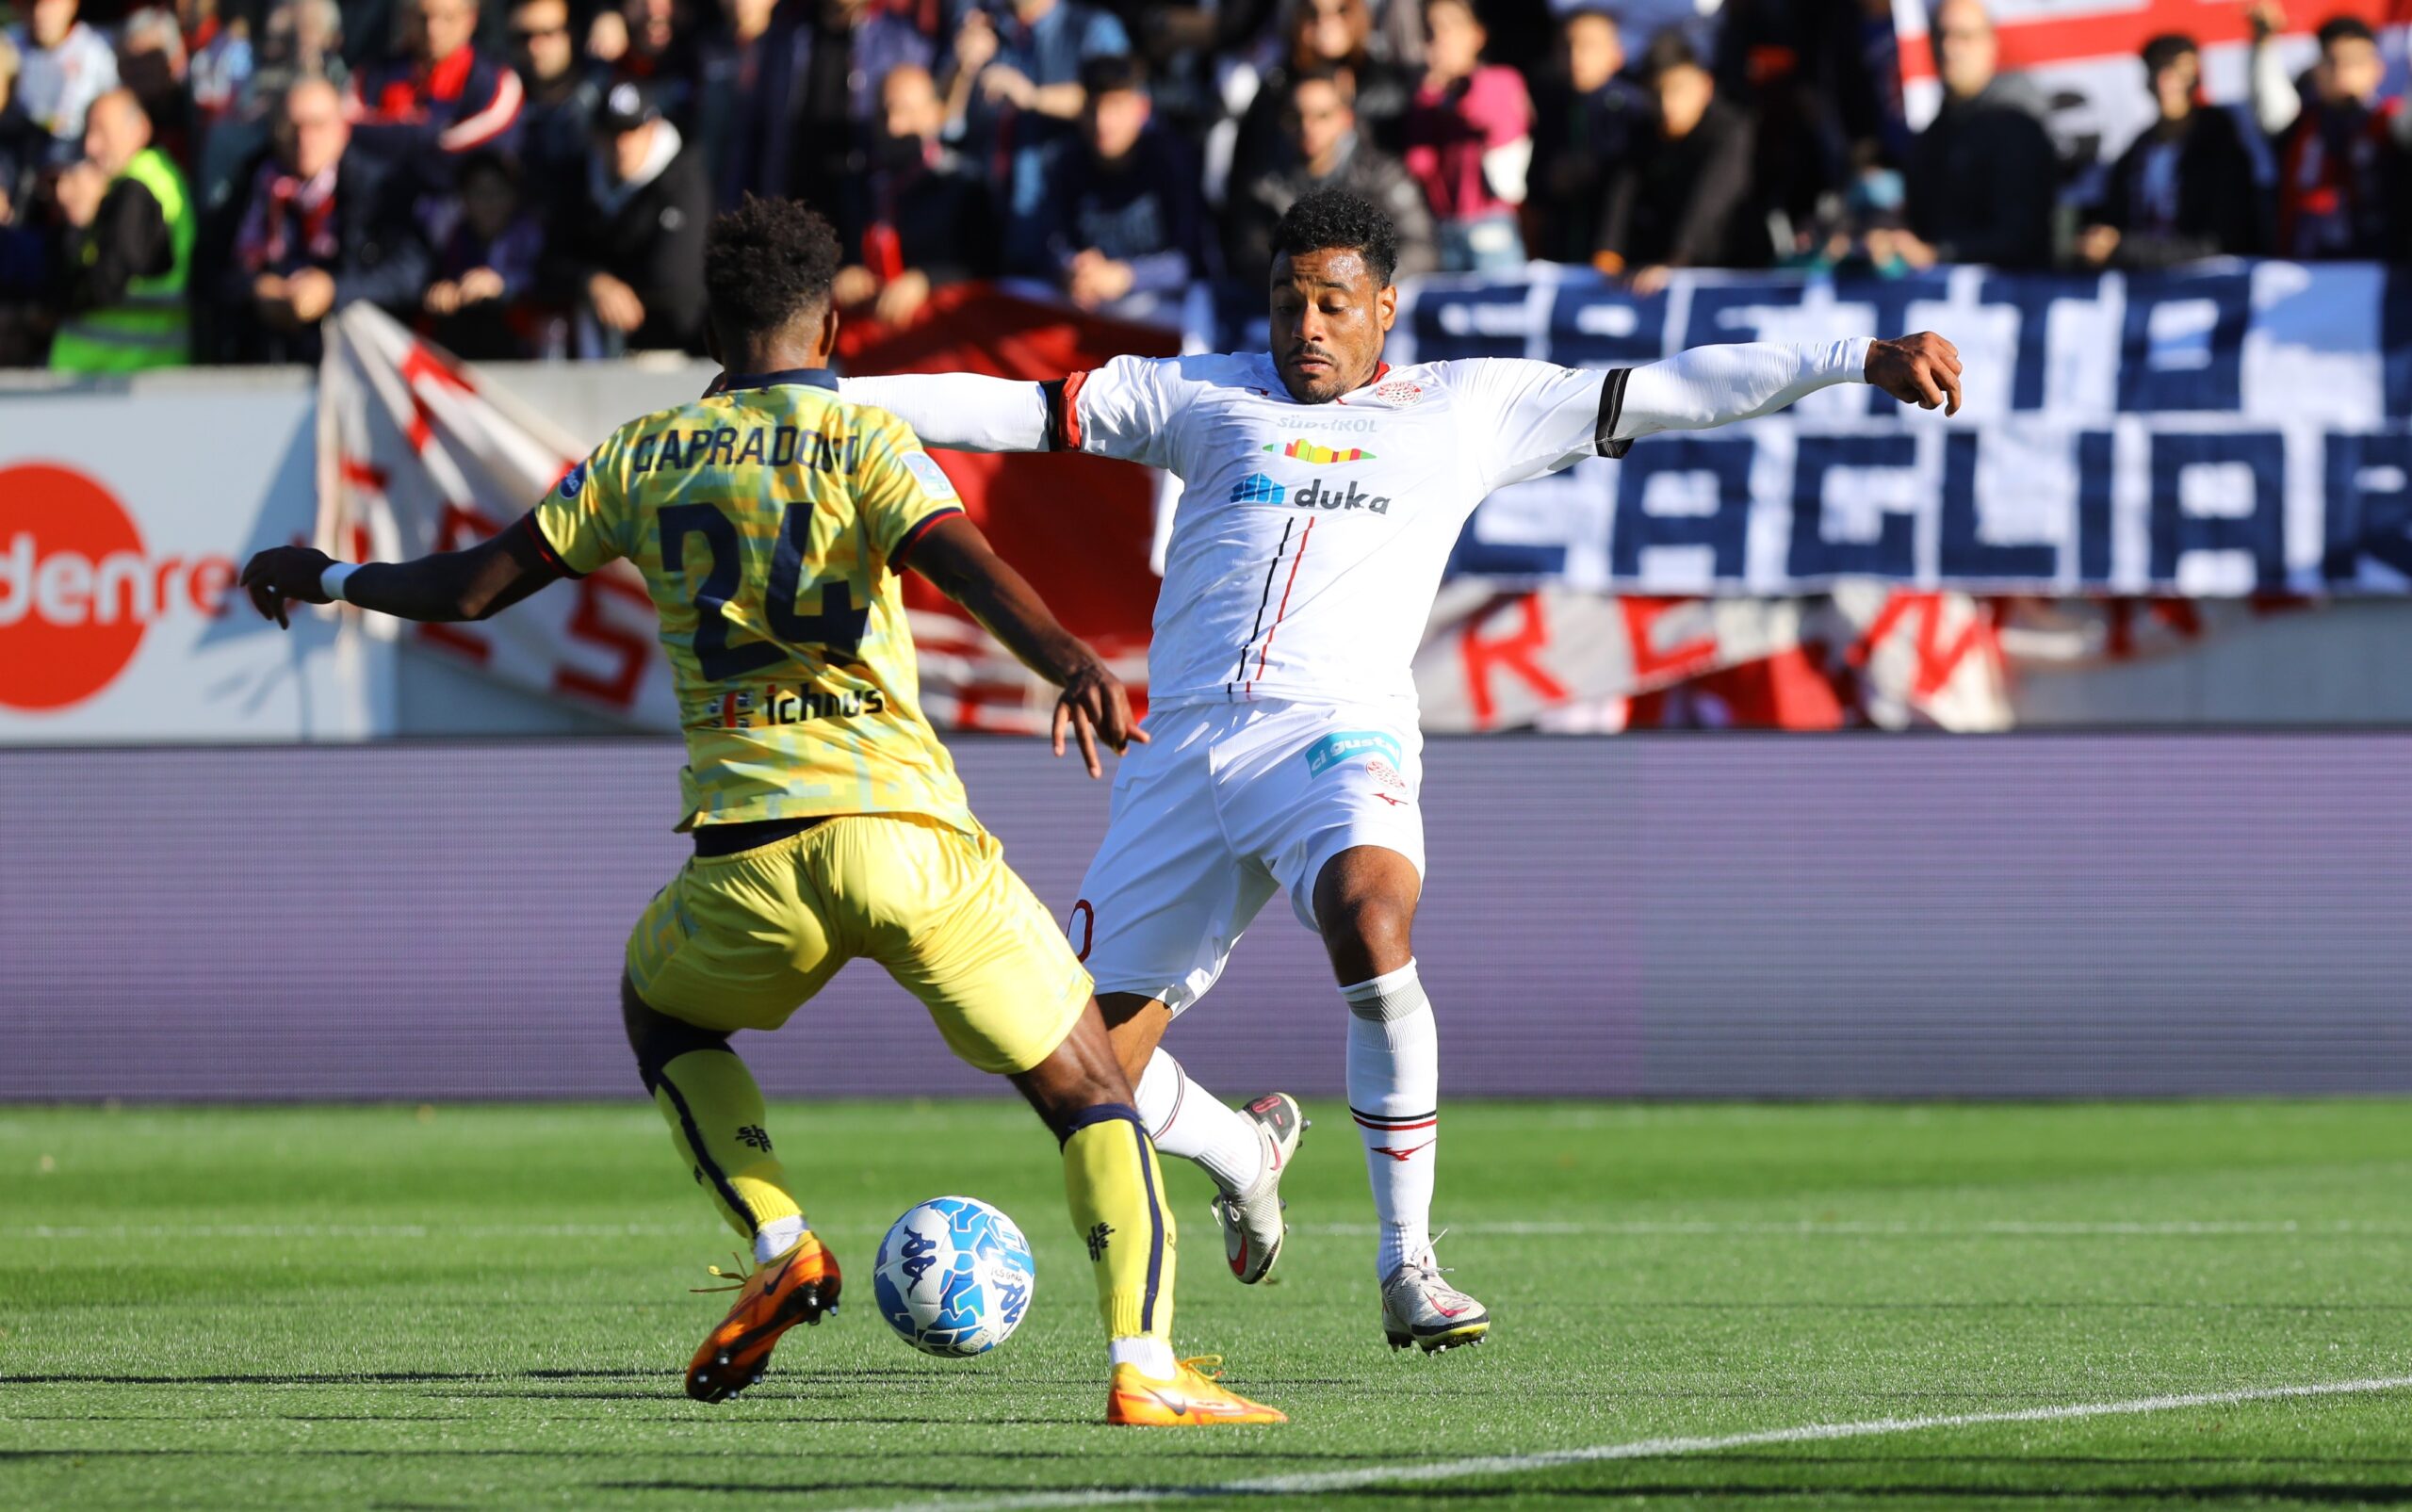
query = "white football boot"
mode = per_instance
[
  {"x": 1251, "y": 1222},
  {"x": 1420, "y": 1308}
]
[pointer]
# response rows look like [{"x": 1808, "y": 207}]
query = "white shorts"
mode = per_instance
[{"x": 1228, "y": 801}]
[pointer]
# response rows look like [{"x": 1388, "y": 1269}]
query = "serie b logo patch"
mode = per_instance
[
  {"x": 927, "y": 473},
  {"x": 1398, "y": 391}
]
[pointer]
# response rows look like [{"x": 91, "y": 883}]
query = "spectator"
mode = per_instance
[
  {"x": 828, "y": 107},
  {"x": 1803, "y": 73},
  {"x": 1325, "y": 35},
  {"x": 1012, "y": 94},
  {"x": 1129, "y": 227},
  {"x": 1469, "y": 142},
  {"x": 634, "y": 250},
  {"x": 321, "y": 226},
  {"x": 1682, "y": 199},
  {"x": 301, "y": 40},
  {"x": 1982, "y": 176},
  {"x": 1588, "y": 120},
  {"x": 128, "y": 254},
  {"x": 1323, "y": 151},
  {"x": 1398, "y": 34},
  {"x": 2340, "y": 147},
  {"x": 1184, "y": 46},
  {"x": 485, "y": 263},
  {"x": 2184, "y": 188},
  {"x": 150, "y": 62},
  {"x": 653, "y": 45},
  {"x": 931, "y": 219},
  {"x": 64, "y": 65},
  {"x": 747, "y": 116},
  {"x": 1864, "y": 231},
  {"x": 562, "y": 95},
  {"x": 24, "y": 145},
  {"x": 222, "y": 60},
  {"x": 298, "y": 39},
  {"x": 442, "y": 93}
]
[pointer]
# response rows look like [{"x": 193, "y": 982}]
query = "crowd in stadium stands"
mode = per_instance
[{"x": 533, "y": 177}]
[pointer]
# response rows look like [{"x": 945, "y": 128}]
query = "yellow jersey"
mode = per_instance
[{"x": 770, "y": 519}]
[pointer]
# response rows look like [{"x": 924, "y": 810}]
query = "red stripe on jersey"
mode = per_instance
[
  {"x": 475, "y": 131},
  {"x": 1304, "y": 537},
  {"x": 1068, "y": 439},
  {"x": 544, "y": 548},
  {"x": 913, "y": 537},
  {"x": 450, "y": 75}
]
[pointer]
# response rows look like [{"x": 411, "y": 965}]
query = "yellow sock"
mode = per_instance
[
  {"x": 716, "y": 1118},
  {"x": 1118, "y": 1211}
]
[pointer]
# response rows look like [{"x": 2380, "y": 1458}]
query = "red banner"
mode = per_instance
[{"x": 1078, "y": 527}]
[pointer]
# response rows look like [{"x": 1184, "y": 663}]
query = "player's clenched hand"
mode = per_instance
[
  {"x": 1095, "y": 703},
  {"x": 284, "y": 573},
  {"x": 1923, "y": 370}
]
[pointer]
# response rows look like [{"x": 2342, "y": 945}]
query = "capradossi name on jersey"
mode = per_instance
[{"x": 726, "y": 446}]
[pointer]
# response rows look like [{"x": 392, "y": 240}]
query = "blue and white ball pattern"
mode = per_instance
[{"x": 955, "y": 1276}]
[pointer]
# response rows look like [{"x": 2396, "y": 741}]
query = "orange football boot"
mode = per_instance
[
  {"x": 798, "y": 1287},
  {"x": 1193, "y": 1398}
]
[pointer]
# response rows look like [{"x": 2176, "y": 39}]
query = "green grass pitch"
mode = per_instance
[{"x": 487, "y": 1308}]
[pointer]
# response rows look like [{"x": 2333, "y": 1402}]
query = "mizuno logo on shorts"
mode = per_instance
[{"x": 1341, "y": 746}]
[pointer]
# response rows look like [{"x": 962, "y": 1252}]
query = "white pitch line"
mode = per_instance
[
  {"x": 1849, "y": 1228},
  {"x": 1637, "y": 1228},
  {"x": 1453, "y": 1469},
  {"x": 339, "y": 1230}
]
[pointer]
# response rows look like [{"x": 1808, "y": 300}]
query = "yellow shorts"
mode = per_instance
[{"x": 740, "y": 941}]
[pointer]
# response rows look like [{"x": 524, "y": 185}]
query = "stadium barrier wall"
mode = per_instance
[
  {"x": 1683, "y": 917},
  {"x": 116, "y": 624}
]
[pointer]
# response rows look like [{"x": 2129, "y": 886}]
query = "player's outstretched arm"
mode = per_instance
[
  {"x": 473, "y": 584},
  {"x": 1094, "y": 704},
  {"x": 964, "y": 412},
  {"x": 1718, "y": 385}
]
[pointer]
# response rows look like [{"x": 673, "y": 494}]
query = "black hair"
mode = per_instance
[
  {"x": 1110, "y": 71},
  {"x": 765, "y": 264},
  {"x": 1669, "y": 51},
  {"x": 1571, "y": 14},
  {"x": 2345, "y": 30},
  {"x": 1343, "y": 79},
  {"x": 487, "y": 160},
  {"x": 2166, "y": 49},
  {"x": 1329, "y": 219}
]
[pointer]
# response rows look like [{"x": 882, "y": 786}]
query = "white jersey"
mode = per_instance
[{"x": 1311, "y": 539}]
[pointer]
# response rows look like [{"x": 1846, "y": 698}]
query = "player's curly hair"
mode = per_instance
[
  {"x": 765, "y": 262},
  {"x": 1329, "y": 219}
]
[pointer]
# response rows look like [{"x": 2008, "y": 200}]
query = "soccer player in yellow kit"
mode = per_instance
[{"x": 769, "y": 520}]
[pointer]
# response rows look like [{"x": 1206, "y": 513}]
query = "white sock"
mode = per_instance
[
  {"x": 1152, "y": 1355},
  {"x": 1394, "y": 1092},
  {"x": 1186, "y": 1119},
  {"x": 775, "y": 1238}
]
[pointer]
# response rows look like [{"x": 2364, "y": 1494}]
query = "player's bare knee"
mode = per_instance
[
  {"x": 1368, "y": 924},
  {"x": 1081, "y": 1073},
  {"x": 1136, "y": 1024}
]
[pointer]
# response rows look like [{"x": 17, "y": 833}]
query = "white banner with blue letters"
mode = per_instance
[{"x": 2225, "y": 430}]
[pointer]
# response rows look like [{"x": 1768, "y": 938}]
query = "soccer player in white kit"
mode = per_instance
[{"x": 1323, "y": 492}]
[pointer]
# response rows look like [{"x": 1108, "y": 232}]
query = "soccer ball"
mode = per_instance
[{"x": 953, "y": 1277}]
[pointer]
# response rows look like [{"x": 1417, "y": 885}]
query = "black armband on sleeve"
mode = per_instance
[
  {"x": 1058, "y": 402},
  {"x": 1612, "y": 410}
]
